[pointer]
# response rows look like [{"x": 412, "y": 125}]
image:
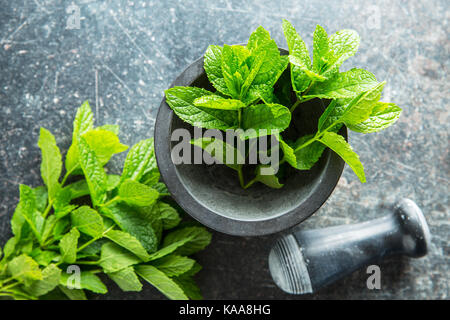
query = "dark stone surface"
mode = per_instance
[{"x": 127, "y": 52}]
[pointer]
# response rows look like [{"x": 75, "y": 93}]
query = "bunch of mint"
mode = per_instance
[
  {"x": 121, "y": 226},
  {"x": 245, "y": 78}
]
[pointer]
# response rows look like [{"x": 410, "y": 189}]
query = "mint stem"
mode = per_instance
[
  {"x": 94, "y": 239},
  {"x": 115, "y": 199},
  {"x": 7, "y": 280},
  {"x": 316, "y": 137},
  {"x": 295, "y": 105},
  {"x": 12, "y": 285},
  {"x": 47, "y": 210},
  {"x": 239, "y": 116},
  {"x": 241, "y": 176},
  {"x": 66, "y": 176},
  {"x": 250, "y": 183},
  {"x": 87, "y": 243},
  {"x": 88, "y": 262}
]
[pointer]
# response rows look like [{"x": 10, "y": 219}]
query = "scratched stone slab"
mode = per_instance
[{"x": 126, "y": 53}]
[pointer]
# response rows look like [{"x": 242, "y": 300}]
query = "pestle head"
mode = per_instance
[
  {"x": 287, "y": 266},
  {"x": 416, "y": 236}
]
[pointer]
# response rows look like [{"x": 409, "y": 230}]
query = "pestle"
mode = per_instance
[{"x": 307, "y": 260}]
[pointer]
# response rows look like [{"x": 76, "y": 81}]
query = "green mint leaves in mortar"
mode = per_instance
[
  {"x": 121, "y": 226},
  {"x": 255, "y": 89}
]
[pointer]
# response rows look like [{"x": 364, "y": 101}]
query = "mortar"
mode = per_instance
[{"x": 211, "y": 193}]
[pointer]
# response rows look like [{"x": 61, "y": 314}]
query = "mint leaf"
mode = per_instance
[
  {"x": 213, "y": 68},
  {"x": 77, "y": 189},
  {"x": 324, "y": 117},
  {"x": 288, "y": 152},
  {"x": 270, "y": 180},
  {"x": 71, "y": 163},
  {"x": 51, "y": 163},
  {"x": 61, "y": 213},
  {"x": 114, "y": 258},
  {"x": 266, "y": 62},
  {"x": 174, "y": 265},
  {"x": 307, "y": 156},
  {"x": 50, "y": 280},
  {"x": 320, "y": 48},
  {"x": 131, "y": 221},
  {"x": 338, "y": 144},
  {"x": 112, "y": 181},
  {"x": 84, "y": 121},
  {"x": 41, "y": 196},
  {"x": 93, "y": 172},
  {"x": 188, "y": 285},
  {"x": 358, "y": 109},
  {"x": 114, "y": 128},
  {"x": 104, "y": 143},
  {"x": 9, "y": 249},
  {"x": 137, "y": 160},
  {"x": 234, "y": 68},
  {"x": 310, "y": 74},
  {"x": 62, "y": 199},
  {"x": 43, "y": 258},
  {"x": 26, "y": 246},
  {"x": 24, "y": 268},
  {"x": 343, "y": 85},
  {"x": 88, "y": 221},
  {"x": 200, "y": 238},
  {"x": 217, "y": 102},
  {"x": 127, "y": 241},
  {"x": 161, "y": 188},
  {"x": 273, "y": 118},
  {"x": 151, "y": 178},
  {"x": 161, "y": 282},
  {"x": 68, "y": 246},
  {"x": 255, "y": 68},
  {"x": 26, "y": 213},
  {"x": 302, "y": 155},
  {"x": 137, "y": 194},
  {"x": 60, "y": 228},
  {"x": 169, "y": 216},
  {"x": 73, "y": 294},
  {"x": 383, "y": 115},
  {"x": 342, "y": 45},
  {"x": 181, "y": 100},
  {"x": 297, "y": 48},
  {"x": 221, "y": 151},
  {"x": 196, "y": 268},
  {"x": 250, "y": 72},
  {"x": 169, "y": 248},
  {"x": 49, "y": 224},
  {"x": 126, "y": 279},
  {"x": 88, "y": 281}
]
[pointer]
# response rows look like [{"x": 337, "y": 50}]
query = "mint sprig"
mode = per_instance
[
  {"x": 253, "y": 93},
  {"x": 103, "y": 223}
]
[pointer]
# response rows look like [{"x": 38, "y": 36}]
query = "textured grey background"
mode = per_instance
[{"x": 127, "y": 52}]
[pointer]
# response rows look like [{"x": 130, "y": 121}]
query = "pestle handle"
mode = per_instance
[{"x": 304, "y": 261}]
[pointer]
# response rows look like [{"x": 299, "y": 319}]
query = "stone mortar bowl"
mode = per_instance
[{"x": 211, "y": 193}]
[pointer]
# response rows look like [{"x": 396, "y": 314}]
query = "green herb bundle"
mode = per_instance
[
  {"x": 121, "y": 226},
  {"x": 252, "y": 92}
]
